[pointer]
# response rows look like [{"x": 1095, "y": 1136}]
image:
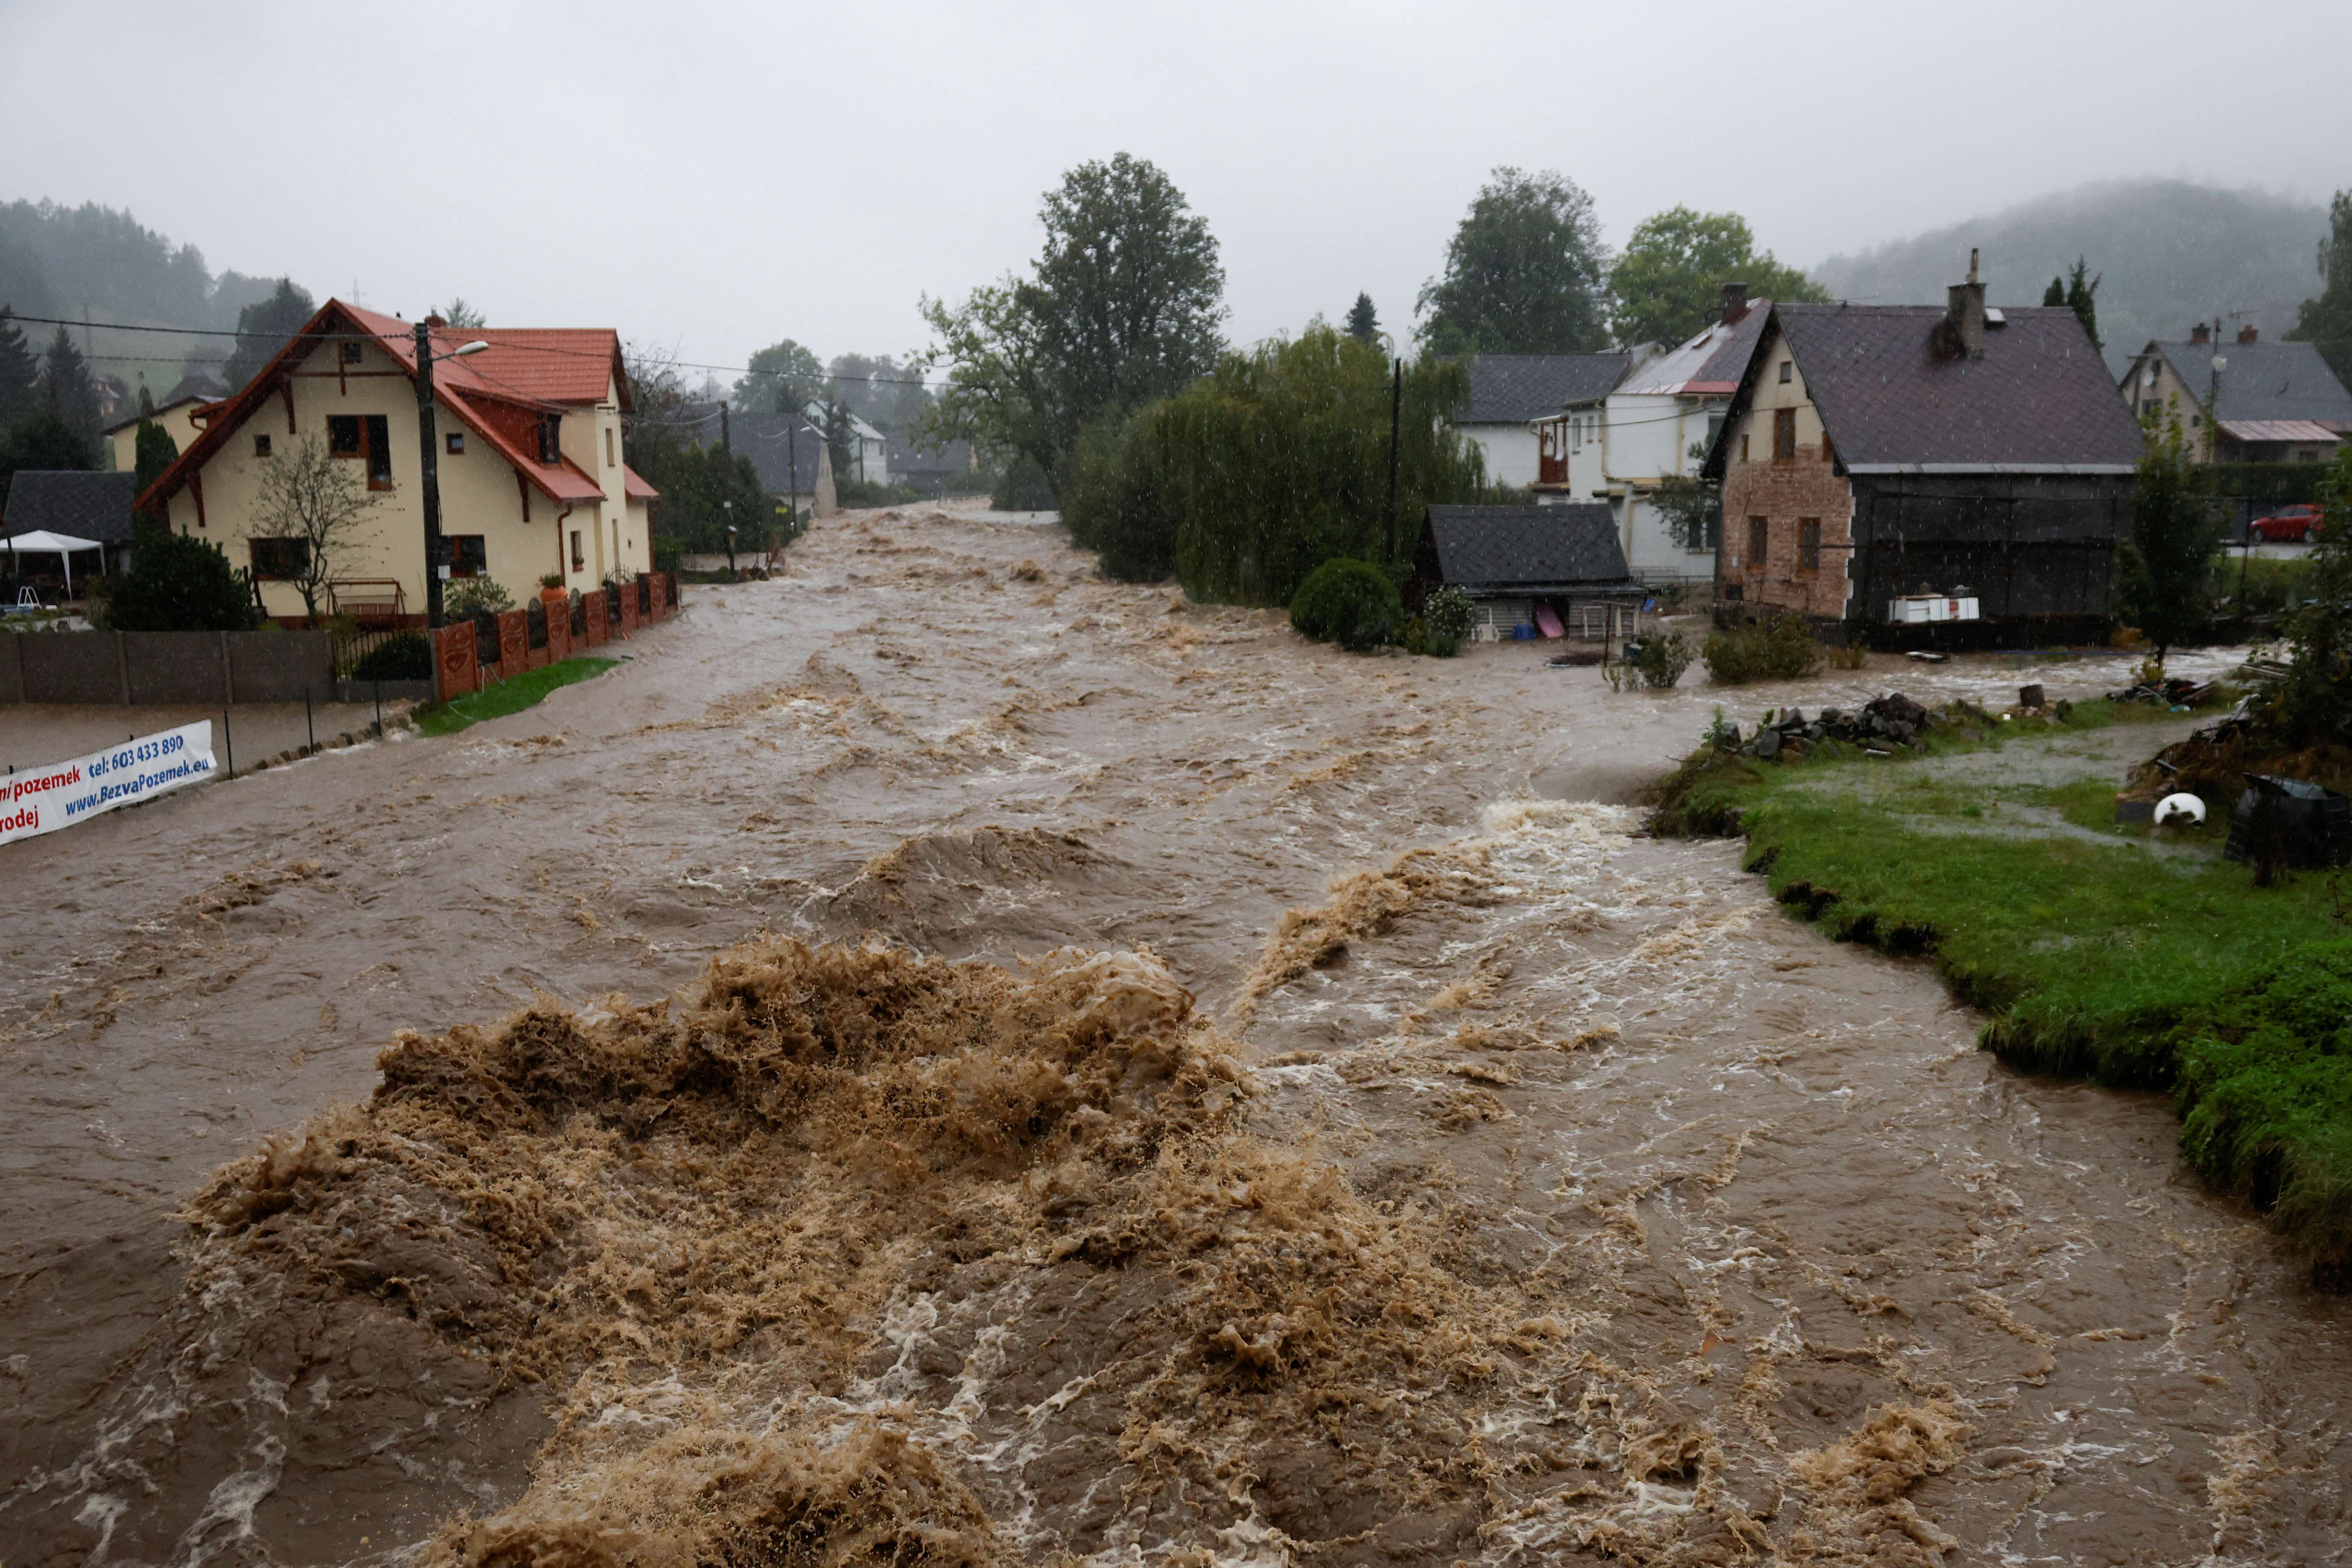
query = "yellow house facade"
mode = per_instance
[
  {"x": 178, "y": 421},
  {"x": 533, "y": 479}
]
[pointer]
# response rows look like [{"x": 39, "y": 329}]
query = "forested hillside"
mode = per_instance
[
  {"x": 68, "y": 261},
  {"x": 2171, "y": 252}
]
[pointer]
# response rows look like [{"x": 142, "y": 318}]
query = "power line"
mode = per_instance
[{"x": 453, "y": 332}]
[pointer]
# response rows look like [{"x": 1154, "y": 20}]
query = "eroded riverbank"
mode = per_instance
[{"x": 1667, "y": 1230}]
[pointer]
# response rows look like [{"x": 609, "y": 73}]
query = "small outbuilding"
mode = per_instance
[
  {"x": 75, "y": 505},
  {"x": 1520, "y": 564}
]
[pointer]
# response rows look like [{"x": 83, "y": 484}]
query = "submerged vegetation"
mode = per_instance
[
  {"x": 2095, "y": 950},
  {"x": 1781, "y": 648},
  {"x": 1348, "y": 603}
]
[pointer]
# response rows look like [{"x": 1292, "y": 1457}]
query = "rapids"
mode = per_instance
[{"x": 944, "y": 1060}]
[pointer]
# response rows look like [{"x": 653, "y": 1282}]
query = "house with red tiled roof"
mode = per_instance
[{"x": 533, "y": 479}]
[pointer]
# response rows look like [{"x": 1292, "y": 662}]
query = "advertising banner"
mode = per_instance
[{"x": 42, "y": 800}]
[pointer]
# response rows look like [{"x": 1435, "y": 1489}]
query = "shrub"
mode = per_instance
[
  {"x": 469, "y": 595},
  {"x": 408, "y": 656},
  {"x": 2312, "y": 702},
  {"x": 1350, "y": 602},
  {"x": 1664, "y": 657},
  {"x": 1447, "y": 616},
  {"x": 1115, "y": 499},
  {"x": 1024, "y": 488},
  {"x": 1779, "y": 649},
  {"x": 871, "y": 493},
  {"x": 180, "y": 585}
]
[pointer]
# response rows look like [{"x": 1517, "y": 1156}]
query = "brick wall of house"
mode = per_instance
[{"x": 1785, "y": 494}]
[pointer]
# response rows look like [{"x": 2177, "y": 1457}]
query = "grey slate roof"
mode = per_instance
[
  {"x": 86, "y": 506},
  {"x": 1512, "y": 389},
  {"x": 2265, "y": 381},
  {"x": 768, "y": 439},
  {"x": 1526, "y": 548},
  {"x": 2038, "y": 401}
]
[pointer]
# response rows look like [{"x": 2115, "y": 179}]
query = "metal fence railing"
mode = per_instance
[{"x": 353, "y": 648}]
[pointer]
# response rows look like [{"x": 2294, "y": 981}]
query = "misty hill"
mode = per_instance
[
  {"x": 66, "y": 261},
  {"x": 2173, "y": 253}
]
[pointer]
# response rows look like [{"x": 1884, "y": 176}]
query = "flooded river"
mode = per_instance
[{"x": 944, "y": 1060}]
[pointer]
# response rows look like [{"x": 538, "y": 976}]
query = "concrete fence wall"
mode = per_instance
[{"x": 183, "y": 667}]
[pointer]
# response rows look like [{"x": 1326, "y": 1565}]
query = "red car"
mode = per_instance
[{"x": 2288, "y": 525}]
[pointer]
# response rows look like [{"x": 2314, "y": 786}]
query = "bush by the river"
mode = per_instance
[
  {"x": 177, "y": 584},
  {"x": 1781, "y": 648},
  {"x": 1351, "y": 603}
]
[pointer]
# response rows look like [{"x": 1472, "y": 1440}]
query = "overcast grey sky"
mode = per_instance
[{"x": 713, "y": 176}]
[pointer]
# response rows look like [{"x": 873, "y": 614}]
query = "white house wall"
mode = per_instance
[{"x": 1510, "y": 451}]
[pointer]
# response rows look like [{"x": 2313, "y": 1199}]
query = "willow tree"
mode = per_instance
[{"x": 1278, "y": 461}]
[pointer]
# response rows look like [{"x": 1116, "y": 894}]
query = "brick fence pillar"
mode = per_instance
[{"x": 454, "y": 671}]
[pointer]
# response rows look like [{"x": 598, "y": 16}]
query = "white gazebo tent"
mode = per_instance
[{"x": 41, "y": 541}]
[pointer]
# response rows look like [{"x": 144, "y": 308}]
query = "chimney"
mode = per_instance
[
  {"x": 2201, "y": 333},
  {"x": 1734, "y": 303},
  {"x": 1966, "y": 312},
  {"x": 2247, "y": 333},
  {"x": 435, "y": 322}
]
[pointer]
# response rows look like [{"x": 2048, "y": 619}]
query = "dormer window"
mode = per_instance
[{"x": 551, "y": 432}]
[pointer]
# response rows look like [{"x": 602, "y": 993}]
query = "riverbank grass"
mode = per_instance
[
  {"x": 2137, "y": 957},
  {"x": 511, "y": 695}
]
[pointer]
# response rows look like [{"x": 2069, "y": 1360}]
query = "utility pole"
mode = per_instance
[
  {"x": 430, "y": 473},
  {"x": 792, "y": 461},
  {"x": 1396, "y": 410},
  {"x": 429, "y": 468},
  {"x": 726, "y": 441}
]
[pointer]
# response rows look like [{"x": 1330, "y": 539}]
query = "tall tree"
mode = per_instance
[
  {"x": 1363, "y": 322},
  {"x": 1123, "y": 307},
  {"x": 878, "y": 389},
  {"x": 782, "y": 378},
  {"x": 2326, "y": 318},
  {"x": 1668, "y": 284},
  {"x": 2168, "y": 559},
  {"x": 66, "y": 385},
  {"x": 2081, "y": 298},
  {"x": 460, "y": 315},
  {"x": 263, "y": 328},
  {"x": 41, "y": 440},
  {"x": 20, "y": 373},
  {"x": 1524, "y": 274},
  {"x": 154, "y": 452}
]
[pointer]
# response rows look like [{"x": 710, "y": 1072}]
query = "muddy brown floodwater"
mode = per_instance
[{"x": 944, "y": 1060}]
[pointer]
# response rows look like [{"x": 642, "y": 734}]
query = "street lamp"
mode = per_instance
[{"x": 435, "y": 569}]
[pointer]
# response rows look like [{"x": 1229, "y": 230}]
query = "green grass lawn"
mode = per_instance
[
  {"x": 2132, "y": 956},
  {"x": 511, "y": 695}
]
